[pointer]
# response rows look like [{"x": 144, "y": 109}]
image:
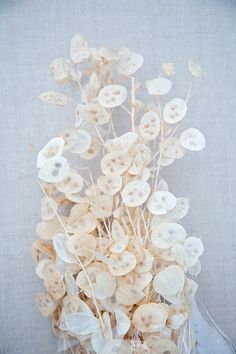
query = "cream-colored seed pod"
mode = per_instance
[
  {"x": 159, "y": 86},
  {"x": 115, "y": 163},
  {"x": 109, "y": 184},
  {"x": 52, "y": 149},
  {"x": 54, "y": 170},
  {"x": 135, "y": 193},
  {"x": 150, "y": 318},
  {"x": 192, "y": 139},
  {"x": 161, "y": 202},
  {"x": 112, "y": 96},
  {"x": 168, "y": 234},
  {"x": 175, "y": 110},
  {"x": 122, "y": 263},
  {"x": 170, "y": 281},
  {"x": 150, "y": 126}
]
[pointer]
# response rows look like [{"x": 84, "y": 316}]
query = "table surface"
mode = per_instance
[{"x": 32, "y": 33}]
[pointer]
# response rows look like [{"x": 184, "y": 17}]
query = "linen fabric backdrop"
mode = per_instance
[{"x": 32, "y": 34}]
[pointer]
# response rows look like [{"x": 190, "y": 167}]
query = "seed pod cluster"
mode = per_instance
[{"x": 116, "y": 262}]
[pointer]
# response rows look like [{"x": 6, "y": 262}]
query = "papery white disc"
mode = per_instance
[
  {"x": 149, "y": 127},
  {"x": 164, "y": 346},
  {"x": 70, "y": 137},
  {"x": 120, "y": 245},
  {"x": 173, "y": 149},
  {"x": 109, "y": 184},
  {"x": 161, "y": 202},
  {"x": 122, "y": 322},
  {"x": 60, "y": 69},
  {"x": 112, "y": 96},
  {"x": 105, "y": 285},
  {"x": 53, "y": 97},
  {"x": 115, "y": 163},
  {"x": 128, "y": 295},
  {"x": 135, "y": 193},
  {"x": 122, "y": 263},
  {"x": 195, "y": 68},
  {"x": 48, "y": 208},
  {"x": 81, "y": 323},
  {"x": 159, "y": 86},
  {"x": 94, "y": 113},
  {"x": 149, "y": 318},
  {"x": 146, "y": 264},
  {"x": 59, "y": 243},
  {"x": 142, "y": 155},
  {"x": 192, "y": 139},
  {"x": 73, "y": 183},
  {"x": 170, "y": 281},
  {"x": 79, "y": 50},
  {"x": 175, "y": 110},
  {"x": 194, "y": 246},
  {"x": 123, "y": 142},
  {"x": 53, "y": 148},
  {"x": 83, "y": 144},
  {"x": 54, "y": 170},
  {"x": 167, "y": 234},
  {"x": 129, "y": 62}
]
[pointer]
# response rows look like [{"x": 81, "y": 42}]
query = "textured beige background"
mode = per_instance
[{"x": 32, "y": 33}]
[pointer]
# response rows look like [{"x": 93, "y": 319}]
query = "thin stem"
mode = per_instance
[
  {"x": 80, "y": 263},
  {"x": 132, "y": 105},
  {"x": 126, "y": 109},
  {"x": 189, "y": 88}
]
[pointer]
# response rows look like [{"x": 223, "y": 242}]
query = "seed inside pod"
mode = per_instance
[
  {"x": 105, "y": 285},
  {"x": 149, "y": 127},
  {"x": 54, "y": 170},
  {"x": 161, "y": 202},
  {"x": 115, "y": 163},
  {"x": 192, "y": 139},
  {"x": 55, "y": 286},
  {"x": 79, "y": 50},
  {"x": 123, "y": 142},
  {"x": 45, "y": 268},
  {"x": 70, "y": 137},
  {"x": 129, "y": 62},
  {"x": 163, "y": 346},
  {"x": 45, "y": 304},
  {"x": 112, "y": 96},
  {"x": 48, "y": 207},
  {"x": 94, "y": 113},
  {"x": 159, "y": 86},
  {"x": 122, "y": 263},
  {"x": 135, "y": 193},
  {"x": 109, "y": 184},
  {"x": 129, "y": 295},
  {"x": 54, "y": 148},
  {"x": 73, "y": 183},
  {"x": 149, "y": 318},
  {"x": 168, "y": 234},
  {"x": 173, "y": 149},
  {"x": 175, "y": 110},
  {"x": 53, "y": 97},
  {"x": 81, "y": 245},
  {"x": 60, "y": 69}
]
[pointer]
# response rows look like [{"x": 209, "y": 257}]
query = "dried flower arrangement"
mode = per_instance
[{"x": 115, "y": 260}]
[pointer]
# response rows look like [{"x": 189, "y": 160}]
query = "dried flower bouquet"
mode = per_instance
[{"x": 115, "y": 260}]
